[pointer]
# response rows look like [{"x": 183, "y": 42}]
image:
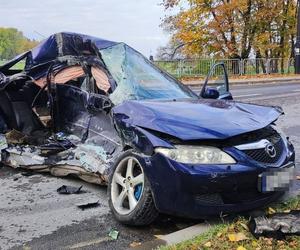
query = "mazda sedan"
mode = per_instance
[{"x": 101, "y": 111}]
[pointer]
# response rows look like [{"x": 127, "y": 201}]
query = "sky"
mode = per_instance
[{"x": 135, "y": 22}]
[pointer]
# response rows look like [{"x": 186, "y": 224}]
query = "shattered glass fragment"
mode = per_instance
[{"x": 113, "y": 234}]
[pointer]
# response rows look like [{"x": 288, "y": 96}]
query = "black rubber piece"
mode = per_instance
[{"x": 145, "y": 212}]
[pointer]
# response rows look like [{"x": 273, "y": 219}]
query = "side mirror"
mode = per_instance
[
  {"x": 98, "y": 103},
  {"x": 211, "y": 93}
]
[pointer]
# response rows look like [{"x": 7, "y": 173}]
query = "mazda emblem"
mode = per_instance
[{"x": 270, "y": 150}]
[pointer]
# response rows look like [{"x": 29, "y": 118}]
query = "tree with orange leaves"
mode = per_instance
[{"x": 231, "y": 28}]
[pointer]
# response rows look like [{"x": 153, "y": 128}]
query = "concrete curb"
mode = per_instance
[
  {"x": 177, "y": 237},
  {"x": 186, "y": 233}
]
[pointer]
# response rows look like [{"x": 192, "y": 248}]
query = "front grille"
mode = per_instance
[
  {"x": 262, "y": 156},
  {"x": 209, "y": 199},
  {"x": 229, "y": 197}
]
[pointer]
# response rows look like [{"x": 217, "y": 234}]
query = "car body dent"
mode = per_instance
[
  {"x": 198, "y": 119},
  {"x": 136, "y": 137}
]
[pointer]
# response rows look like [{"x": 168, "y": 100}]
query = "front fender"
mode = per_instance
[{"x": 139, "y": 139}]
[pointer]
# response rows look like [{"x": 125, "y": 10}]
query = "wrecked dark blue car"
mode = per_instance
[{"x": 101, "y": 111}]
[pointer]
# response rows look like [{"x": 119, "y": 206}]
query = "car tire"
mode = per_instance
[{"x": 130, "y": 198}]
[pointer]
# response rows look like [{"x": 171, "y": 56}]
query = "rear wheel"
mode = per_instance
[{"x": 130, "y": 196}]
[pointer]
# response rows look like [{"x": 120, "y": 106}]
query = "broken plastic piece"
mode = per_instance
[
  {"x": 89, "y": 205},
  {"x": 277, "y": 225},
  {"x": 69, "y": 190},
  {"x": 113, "y": 234}
]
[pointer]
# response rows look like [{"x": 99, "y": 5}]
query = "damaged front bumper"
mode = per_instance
[{"x": 195, "y": 191}]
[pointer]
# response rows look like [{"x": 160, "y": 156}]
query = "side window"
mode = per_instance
[
  {"x": 217, "y": 79},
  {"x": 216, "y": 85}
]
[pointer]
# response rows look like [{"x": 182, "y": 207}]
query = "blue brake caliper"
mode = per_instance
[{"x": 138, "y": 191}]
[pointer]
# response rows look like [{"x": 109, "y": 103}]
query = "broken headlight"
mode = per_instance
[{"x": 196, "y": 155}]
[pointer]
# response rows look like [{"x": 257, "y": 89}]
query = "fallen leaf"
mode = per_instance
[
  {"x": 254, "y": 243},
  {"x": 219, "y": 235},
  {"x": 280, "y": 242},
  {"x": 207, "y": 244},
  {"x": 135, "y": 244},
  {"x": 268, "y": 241},
  {"x": 244, "y": 226},
  {"x": 237, "y": 237},
  {"x": 271, "y": 210},
  {"x": 293, "y": 243},
  {"x": 241, "y": 248}
]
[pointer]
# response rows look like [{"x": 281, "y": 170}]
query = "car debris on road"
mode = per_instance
[
  {"x": 88, "y": 205},
  {"x": 277, "y": 225},
  {"x": 70, "y": 190},
  {"x": 114, "y": 234}
]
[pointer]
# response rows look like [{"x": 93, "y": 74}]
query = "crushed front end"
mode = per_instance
[{"x": 197, "y": 190}]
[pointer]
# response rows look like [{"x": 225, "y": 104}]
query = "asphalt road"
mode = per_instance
[
  {"x": 261, "y": 91},
  {"x": 34, "y": 216}
]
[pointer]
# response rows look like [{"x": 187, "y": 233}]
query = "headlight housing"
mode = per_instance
[{"x": 196, "y": 154}]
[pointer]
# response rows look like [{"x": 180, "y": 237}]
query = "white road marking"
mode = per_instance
[
  {"x": 296, "y": 90},
  {"x": 237, "y": 96},
  {"x": 272, "y": 96}
]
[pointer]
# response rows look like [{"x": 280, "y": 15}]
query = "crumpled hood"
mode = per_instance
[{"x": 197, "y": 119}]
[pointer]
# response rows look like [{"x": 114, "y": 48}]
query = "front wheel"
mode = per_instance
[{"x": 130, "y": 197}]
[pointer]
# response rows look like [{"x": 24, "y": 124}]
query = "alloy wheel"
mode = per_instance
[{"x": 127, "y": 185}]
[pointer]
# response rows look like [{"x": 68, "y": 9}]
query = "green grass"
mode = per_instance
[{"x": 217, "y": 237}]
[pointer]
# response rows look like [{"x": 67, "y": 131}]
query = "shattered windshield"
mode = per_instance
[{"x": 138, "y": 79}]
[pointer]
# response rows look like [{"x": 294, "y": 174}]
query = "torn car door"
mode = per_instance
[
  {"x": 216, "y": 85},
  {"x": 84, "y": 113}
]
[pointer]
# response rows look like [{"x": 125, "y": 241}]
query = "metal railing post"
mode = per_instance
[
  {"x": 268, "y": 66},
  {"x": 242, "y": 67}
]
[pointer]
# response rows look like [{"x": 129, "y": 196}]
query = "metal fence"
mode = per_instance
[
  {"x": 201, "y": 67},
  {"x": 235, "y": 67}
]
